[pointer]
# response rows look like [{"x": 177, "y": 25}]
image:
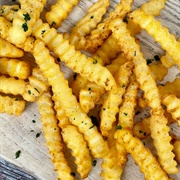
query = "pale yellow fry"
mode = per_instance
[
  {"x": 111, "y": 104},
  {"x": 88, "y": 22},
  {"x": 9, "y": 12},
  {"x": 176, "y": 150},
  {"x": 172, "y": 104},
  {"x": 60, "y": 11},
  {"x": 86, "y": 67},
  {"x": 170, "y": 87},
  {"x": 63, "y": 94},
  {"x": 141, "y": 129},
  {"x": 127, "y": 108},
  {"x": 98, "y": 35},
  {"x": 167, "y": 61},
  {"x": 160, "y": 33},
  {"x": 151, "y": 93},
  {"x": 12, "y": 105},
  {"x": 8, "y": 50},
  {"x": 148, "y": 164},
  {"x": 15, "y": 68},
  {"x": 153, "y": 7},
  {"x": 53, "y": 138},
  {"x": 25, "y": 19},
  {"x": 158, "y": 71},
  {"x": 75, "y": 141}
]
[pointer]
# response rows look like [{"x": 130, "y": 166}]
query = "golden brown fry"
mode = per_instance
[
  {"x": 142, "y": 155},
  {"x": 87, "y": 67},
  {"x": 158, "y": 123},
  {"x": 12, "y": 105},
  {"x": 88, "y": 23},
  {"x": 60, "y": 11},
  {"x": 15, "y": 68},
  {"x": 75, "y": 141},
  {"x": 72, "y": 108},
  {"x": 172, "y": 104},
  {"x": 127, "y": 108},
  {"x": 52, "y": 135},
  {"x": 25, "y": 19},
  {"x": 8, "y": 50},
  {"x": 159, "y": 32},
  {"x": 98, "y": 35},
  {"x": 176, "y": 150},
  {"x": 111, "y": 104}
]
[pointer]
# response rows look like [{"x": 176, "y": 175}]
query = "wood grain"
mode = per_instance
[{"x": 19, "y": 133}]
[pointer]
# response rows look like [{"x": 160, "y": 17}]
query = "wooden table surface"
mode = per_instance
[{"x": 19, "y": 133}]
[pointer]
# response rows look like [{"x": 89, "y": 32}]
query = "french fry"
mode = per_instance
[
  {"x": 111, "y": 104},
  {"x": 98, "y": 35},
  {"x": 12, "y": 105},
  {"x": 53, "y": 137},
  {"x": 176, "y": 150},
  {"x": 167, "y": 61},
  {"x": 142, "y": 155},
  {"x": 159, "y": 128},
  {"x": 8, "y": 50},
  {"x": 159, "y": 32},
  {"x": 25, "y": 19},
  {"x": 59, "y": 11},
  {"x": 172, "y": 104},
  {"x": 88, "y": 23},
  {"x": 87, "y": 67},
  {"x": 73, "y": 139},
  {"x": 72, "y": 108},
  {"x": 15, "y": 68}
]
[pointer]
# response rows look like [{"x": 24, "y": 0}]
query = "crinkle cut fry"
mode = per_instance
[
  {"x": 142, "y": 155},
  {"x": 75, "y": 141},
  {"x": 78, "y": 62},
  {"x": 8, "y": 50},
  {"x": 98, "y": 35},
  {"x": 25, "y": 19},
  {"x": 111, "y": 104},
  {"x": 12, "y": 105},
  {"x": 88, "y": 23},
  {"x": 53, "y": 137},
  {"x": 62, "y": 93},
  {"x": 60, "y": 11},
  {"x": 148, "y": 85},
  {"x": 160, "y": 33}
]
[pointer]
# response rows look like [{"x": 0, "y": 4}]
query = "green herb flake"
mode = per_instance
[
  {"x": 123, "y": 86},
  {"x": 125, "y": 19},
  {"x": 134, "y": 53},
  {"x": 74, "y": 118},
  {"x": 29, "y": 91},
  {"x": 2, "y": 11},
  {"x": 55, "y": 129},
  {"x": 33, "y": 121},
  {"x": 43, "y": 31},
  {"x": 37, "y": 90},
  {"x": 91, "y": 127},
  {"x": 32, "y": 130},
  {"x": 125, "y": 114},
  {"x": 89, "y": 89},
  {"x": 15, "y": 10},
  {"x": 17, "y": 154},
  {"x": 94, "y": 163},
  {"x": 53, "y": 23},
  {"x": 16, "y": 99},
  {"x": 38, "y": 134},
  {"x": 27, "y": 17},
  {"x": 156, "y": 57},
  {"x": 25, "y": 27},
  {"x": 91, "y": 17},
  {"x": 95, "y": 61},
  {"x": 119, "y": 127},
  {"x": 148, "y": 61}
]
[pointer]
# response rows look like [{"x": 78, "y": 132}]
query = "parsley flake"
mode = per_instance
[
  {"x": 25, "y": 27},
  {"x": 125, "y": 114},
  {"x": 33, "y": 121},
  {"x": 43, "y": 31},
  {"x": 91, "y": 17},
  {"x": 119, "y": 127},
  {"x": 94, "y": 163},
  {"x": 91, "y": 127},
  {"x": 29, "y": 91},
  {"x": 17, "y": 154},
  {"x": 95, "y": 61},
  {"x": 38, "y": 134},
  {"x": 26, "y": 17}
]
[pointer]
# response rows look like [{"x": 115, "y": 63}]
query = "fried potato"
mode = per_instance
[
  {"x": 53, "y": 137},
  {"x": 127, "y": 108},
  {"x": 141, "y": 129},
  {"x": 60, "y": 11},
  {"x": 167, "y": 61},
  {"x": 12, "y": 105},
  {"x": 158, "y": 123},
  {"x": 98, "y": 35},
  {"x": 73, "y": 139},
  {"x": 8, "y": 50},
  {"x": 148, "y": 164},
  {"x": 15, "y": 68},
  {"x": 172, "y": 104},
  {"x": 25, "y": 19},
  {"x": 111, "y": 104},
  {"x": 142, "y": 102},
  {"x": 176, "y": 150},
  {"x": 88, "y": 23},
  {"x": 62, "y": 93},
  {"x": 87, "y": 67},
  {"x": 159, "y": 32}
]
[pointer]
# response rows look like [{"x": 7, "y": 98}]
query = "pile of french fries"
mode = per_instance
[{"x": 110, "y": 79}]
